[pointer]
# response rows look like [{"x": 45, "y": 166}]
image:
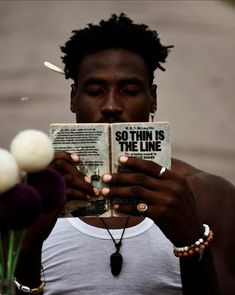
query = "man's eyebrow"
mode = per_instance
[
  {"x": 90, "y": 81},
  {"x": 131, "y": 80}
]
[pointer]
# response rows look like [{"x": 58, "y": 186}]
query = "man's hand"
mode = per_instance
[
  {"x": 78, "y": 186},
  {"x": 170, "y": 201}
]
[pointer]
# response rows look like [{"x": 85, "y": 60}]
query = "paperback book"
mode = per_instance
[{"x": 99, "y": 147}]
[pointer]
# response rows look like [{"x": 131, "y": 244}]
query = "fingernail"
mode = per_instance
[
  {"x": 116, "y": 207},
  {"x": 105, "y": 191},
  {"x": 75, "y": 157},
  {"x": 96, "y": 191},
  {"x": 106, "y": 177},
  {"x": 87, "y": 179},
  {"x": 123, "y": 159}
]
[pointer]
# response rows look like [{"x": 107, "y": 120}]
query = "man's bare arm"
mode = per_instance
[{"x": 215, "y": 199}]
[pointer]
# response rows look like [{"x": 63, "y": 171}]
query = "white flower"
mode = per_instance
[
  {"x": 32, "y": 149},
  {"x": 9, "y": 171}
]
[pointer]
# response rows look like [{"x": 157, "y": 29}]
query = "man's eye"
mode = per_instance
[
  {"x": 95, "y": 93},
  {"x": 130, "y": 92}
]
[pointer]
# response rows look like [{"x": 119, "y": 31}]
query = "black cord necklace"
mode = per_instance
[{"x": 116, "y": 258}]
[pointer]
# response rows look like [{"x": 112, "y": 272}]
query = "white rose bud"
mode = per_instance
[
  {"x": 9, "y": 171},
  {"x": 32, "y": 149}
]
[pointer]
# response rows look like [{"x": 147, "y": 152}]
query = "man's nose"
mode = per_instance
[{"x": 112, "y": 104}]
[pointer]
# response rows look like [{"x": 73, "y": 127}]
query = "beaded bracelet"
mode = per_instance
[
  {"x": 198, "y": 247},
  {"x": 29, "y": 290}
]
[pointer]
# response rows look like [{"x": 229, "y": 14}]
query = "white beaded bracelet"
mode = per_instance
[
  {"x": 29, "y": 290},
  {"x": 197, "y": 247}
]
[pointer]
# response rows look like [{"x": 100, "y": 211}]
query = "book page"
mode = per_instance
[
  {"x": 149, "y": 141},
  {"x": 91, "y": 143}
]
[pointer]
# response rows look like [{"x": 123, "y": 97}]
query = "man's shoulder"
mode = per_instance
[
  {"x": 210, "y": 191},
  {"x": 214, "y": 196},
  {"x": 182, "y": 168},
  {"x": 201, "y": 180}
]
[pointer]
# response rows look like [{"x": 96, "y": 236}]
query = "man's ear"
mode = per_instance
[
  {"x": 153, "y": 92},
  {"x": 73, "y": 99}
]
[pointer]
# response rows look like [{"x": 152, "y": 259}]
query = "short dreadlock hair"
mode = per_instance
[{"x": 116, "y": 32}]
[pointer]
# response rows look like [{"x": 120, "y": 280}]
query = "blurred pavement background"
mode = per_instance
[{"x": 196, "y": 93}]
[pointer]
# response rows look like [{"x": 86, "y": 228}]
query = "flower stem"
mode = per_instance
[
  {"x": 20, "y": 237},
  {"x": 25, "y": 179},
  {"x": 2, "y": 262},
  {"x": 10, "y": 253}
]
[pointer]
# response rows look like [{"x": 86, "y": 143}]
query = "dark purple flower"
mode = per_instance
[
  {"x": 50, "y": 186},
  {"x": 19, "y": 207}
]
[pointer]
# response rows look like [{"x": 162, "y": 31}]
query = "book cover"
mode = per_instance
[{"x": 99, "y": 146}]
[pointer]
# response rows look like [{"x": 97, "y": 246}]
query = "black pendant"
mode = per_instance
[
  {"x": 116, "y": 258},
  {"x": 116, "y": 263}
]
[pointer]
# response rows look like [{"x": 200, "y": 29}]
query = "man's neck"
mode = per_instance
[{"x": 112, "y": 222}]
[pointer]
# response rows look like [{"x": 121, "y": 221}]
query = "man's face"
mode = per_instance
[{"x": 113, "y": 86}]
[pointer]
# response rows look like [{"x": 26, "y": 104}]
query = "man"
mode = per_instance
[{"x": 112, "y": 66}]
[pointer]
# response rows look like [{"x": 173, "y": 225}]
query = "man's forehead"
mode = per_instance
[
  {"x": 119, "y": 62},
  {"x": 104, "y": 80}
]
